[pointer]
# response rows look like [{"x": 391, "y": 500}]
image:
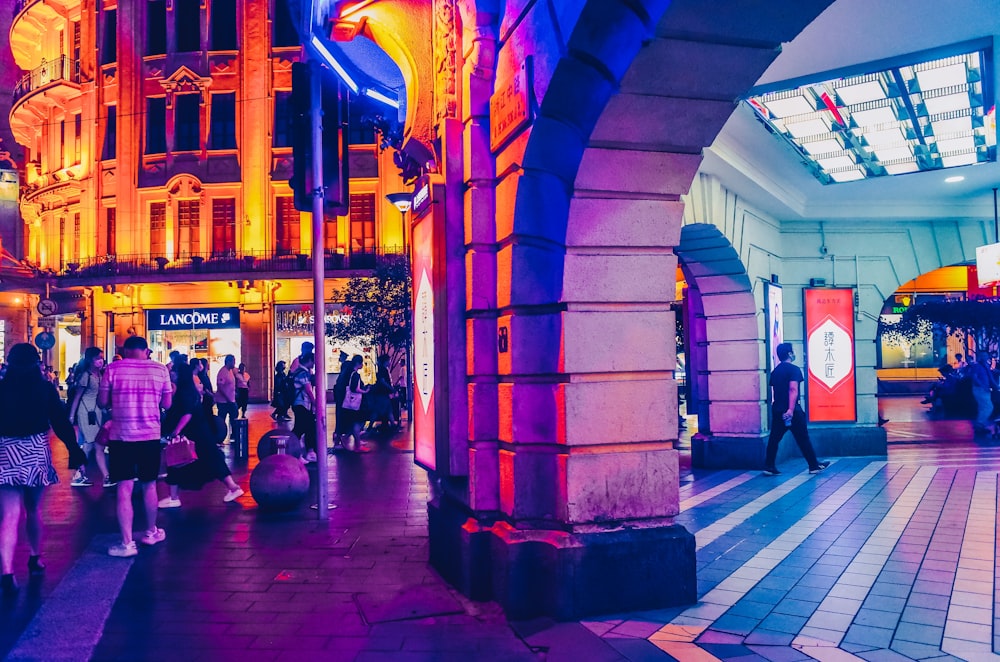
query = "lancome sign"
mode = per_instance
[{"x": 171, "y": 319}]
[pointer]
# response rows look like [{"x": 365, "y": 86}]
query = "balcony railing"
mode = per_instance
[
  {"x": 225, "y": 262},
  {"x": 62, "y": 68}
]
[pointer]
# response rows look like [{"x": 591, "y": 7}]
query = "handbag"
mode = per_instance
[
  {"x": 103, "y": 434},
  {"x": 352, "y": 400},
  {"x": 179, "y": 452}
]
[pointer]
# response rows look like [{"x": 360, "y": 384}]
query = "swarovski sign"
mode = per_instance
[{"x": 168, "y": 319}]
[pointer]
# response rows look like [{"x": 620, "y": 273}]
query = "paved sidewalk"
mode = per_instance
[{"x": 874, "y": 559}]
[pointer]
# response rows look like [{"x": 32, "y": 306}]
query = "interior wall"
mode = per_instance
[{"x": 889, "y": 255}]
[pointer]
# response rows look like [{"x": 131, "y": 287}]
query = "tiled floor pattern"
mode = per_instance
[{"x": 871, "y": 560}]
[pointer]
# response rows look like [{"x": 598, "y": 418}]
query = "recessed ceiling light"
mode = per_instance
[{"x": 954, "y": 178}]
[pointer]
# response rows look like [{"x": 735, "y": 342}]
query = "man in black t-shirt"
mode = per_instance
[{"x": 786, "y": 414}]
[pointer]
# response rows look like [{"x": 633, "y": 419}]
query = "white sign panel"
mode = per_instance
[{"x": 988, "y": 264}]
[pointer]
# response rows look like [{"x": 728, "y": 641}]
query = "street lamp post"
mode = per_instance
[{"x": 403, "y": 201}]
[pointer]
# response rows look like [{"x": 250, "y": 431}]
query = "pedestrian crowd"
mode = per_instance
[
  {"x": 124, "y": 417},
  {"x": 968, "y": 389}
]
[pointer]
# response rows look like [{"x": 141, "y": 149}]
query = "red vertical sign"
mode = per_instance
[{"x": 829, "y": 320}]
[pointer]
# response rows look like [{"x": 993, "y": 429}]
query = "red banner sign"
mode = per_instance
[{"x": 829, "y": 319}]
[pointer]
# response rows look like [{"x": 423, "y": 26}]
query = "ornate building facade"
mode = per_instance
[{"x": 158, "y": 150}]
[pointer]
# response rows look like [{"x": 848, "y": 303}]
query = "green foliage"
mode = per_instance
[
  {"x": 379, "y": 308},
  {"x": 964, "y": 319}
]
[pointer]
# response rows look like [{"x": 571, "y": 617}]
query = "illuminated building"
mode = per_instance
[{"x": 156, "y": 200}]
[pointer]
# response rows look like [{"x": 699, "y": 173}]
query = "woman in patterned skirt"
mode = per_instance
[{"x": 29, "y": 406}]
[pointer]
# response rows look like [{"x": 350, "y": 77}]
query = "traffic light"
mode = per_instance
[
  {"x": 301, "y": 132},
  {"x": 333, "y": 103}
]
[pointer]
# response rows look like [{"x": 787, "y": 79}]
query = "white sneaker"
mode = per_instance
[
  {"x": 153, "y": 537},
  {"x": 80, "y": 479},
  {"x": 168, "y": 502},
  {"x": 123, "y": 550},
  {"x": 311, "y": 456},
  {"x": 233, "y": 495}
]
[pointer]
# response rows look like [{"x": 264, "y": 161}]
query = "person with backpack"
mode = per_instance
[
  {"x": 87, "y": 415},
  {"x": 304, "y": 405}
]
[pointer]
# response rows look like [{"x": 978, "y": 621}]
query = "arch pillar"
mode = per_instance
[
  {"x": 728, "y": 352},
  {"x": 576, "y": 515}
]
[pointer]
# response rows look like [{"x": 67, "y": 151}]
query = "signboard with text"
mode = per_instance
[
  {"x": 829, "y": 322},
  {"x": 172, "y": 319}
]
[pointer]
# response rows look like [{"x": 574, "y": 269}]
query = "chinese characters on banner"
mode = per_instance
[{"x": 829, "y": 321}]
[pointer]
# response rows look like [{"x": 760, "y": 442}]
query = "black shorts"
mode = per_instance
[{"x": 134, "y": 459}]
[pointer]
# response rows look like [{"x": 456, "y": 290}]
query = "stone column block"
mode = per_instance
[
  {"x": 619, "y": 341},
  {"x": 529, "y": 275},
  {"x": 621, "y": 411},
  {"x": 632, "y": 171},
  {"x": 731, "y": 327},
  {"x": 735, "y": 386},
  {"x": 484, "y": 413},
  {"x": 481, "y": 346},
  {"x": 484, "y": 476},
  {"x": 535, "y": 344},
  {"x": 731, "y": 355},
  {"x": 478, "y": 157},
  {"x": 480, "y": 214},
  {"x": 481, "y": 279},
  {"x": 735, "y": 303},
  {"x": 533, "y": 484},
  {"x": 624, "y": 222},
  {"x": 620, "y": 486},
  {"x": 737, "y": 418},
  {"x": 532, "y": 412},
  {"x": 619, "y": 278}
]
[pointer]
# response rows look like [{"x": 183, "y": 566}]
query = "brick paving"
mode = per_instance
[{"x": 874, "y": 559}]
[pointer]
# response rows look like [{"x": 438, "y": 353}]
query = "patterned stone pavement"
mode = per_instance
[{"x": 874, "y": 559}]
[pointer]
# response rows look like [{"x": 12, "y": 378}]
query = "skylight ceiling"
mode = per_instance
[{"x": 920, "y": 112}]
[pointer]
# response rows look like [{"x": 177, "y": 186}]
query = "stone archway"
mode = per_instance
[
  {"x": 726, "y": 364},
  {"x": 641, "y": 90}
]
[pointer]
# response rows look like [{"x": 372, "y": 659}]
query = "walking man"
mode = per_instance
[
  {"x": 786, "y": 414},
  {"x": 135, "y": 389},
  {"x": 225, "y": 391}
]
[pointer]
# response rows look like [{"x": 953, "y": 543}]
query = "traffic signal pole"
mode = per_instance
[{"x": 319, "y": 298}]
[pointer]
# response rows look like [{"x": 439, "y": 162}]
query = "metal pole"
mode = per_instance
[
  {"x": 319, "y": 298},
  {"x": 996, "y": 219}
]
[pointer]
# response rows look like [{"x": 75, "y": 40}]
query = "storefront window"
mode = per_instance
[{"x": 294, "y": 325}]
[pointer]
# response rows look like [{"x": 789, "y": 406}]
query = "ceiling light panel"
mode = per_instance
[{"x": 910, "y": 114}]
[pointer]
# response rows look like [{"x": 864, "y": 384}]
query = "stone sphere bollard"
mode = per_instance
[
  {"x": 271, "y": 444},
  {"x": 279, "y": 482}
]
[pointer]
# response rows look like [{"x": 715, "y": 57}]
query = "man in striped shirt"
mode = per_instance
[{"x": 135, "y": 388}]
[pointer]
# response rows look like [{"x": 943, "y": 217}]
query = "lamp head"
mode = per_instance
[{"x": 402, "y": 201}]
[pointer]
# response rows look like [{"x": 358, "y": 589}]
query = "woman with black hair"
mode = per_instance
[
  {"x": 187, "y": 416},
  {"x": 87, "y": 414},
  {"x": 29, "y": 407}
]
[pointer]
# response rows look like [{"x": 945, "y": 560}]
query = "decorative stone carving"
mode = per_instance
[
  {"x": 184, "y": 80},
  {"x": 445, "y": 60},
  {"x": 184, "y": 186}
]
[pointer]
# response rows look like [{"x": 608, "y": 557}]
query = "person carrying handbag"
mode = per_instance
[
  {"x": 186, "y": 417},
  {"x": 88, "y": 416},
  {"x": 354, "y": 400}
]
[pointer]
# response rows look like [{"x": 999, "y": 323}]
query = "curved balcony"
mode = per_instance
[
  {"x": 50, "y": 84},
  {"x": 33, "y": 19}
]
